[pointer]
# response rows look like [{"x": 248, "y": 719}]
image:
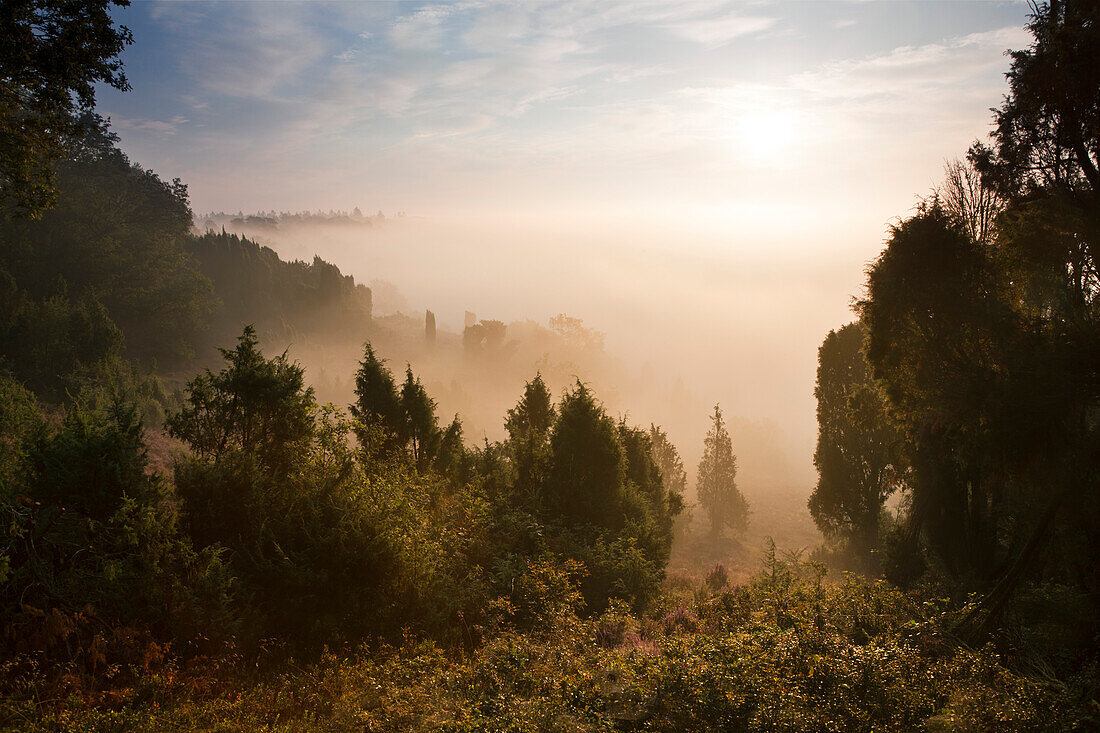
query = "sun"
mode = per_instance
[{"x": 766, "y": 135}]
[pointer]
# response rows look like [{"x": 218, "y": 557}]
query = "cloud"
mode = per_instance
[
  {"x": 422, "y": 30},
  {"x": 154, "y": 127},
  {"x": 246, "y": 50},
  {"x": 721, "y": 30},
  {"x": 582, "y": 93},
  {"x": 909, "y": 70}
]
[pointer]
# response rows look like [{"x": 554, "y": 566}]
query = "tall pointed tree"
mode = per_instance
[
  {"x": 716, "y": 481},
  {"x": 668, "y": 460},
  {"x": 377, "y": 406},
  {"x": 423, "y": 432},
  {"x": 429, "y": 329},
  {"x": 528, "y": 425}
]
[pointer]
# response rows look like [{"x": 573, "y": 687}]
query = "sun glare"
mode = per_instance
[{"x": 766, "y": 134}]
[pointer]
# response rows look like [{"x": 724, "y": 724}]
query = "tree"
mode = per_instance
[
  {"x": 422, "y": 431},
  {"x": 381, "y": 418},
  {"x": 53, "y": 54},
  {"x": 255, "y": 405},
  {"x": 452, "y": 460},
  {"x": 528, "y": 425},
  {"x": 858, "y": 445},
  {"x": 586, "y": 463},
  {"x": 648, "y": 504},
  {"x": 969, "y": 201},
  {"x": 1047, "y": 134},
  {"x": 939, "y": 333},
  {"x": 118, "y": 234},
  {"x": 429, "y": 329},
  {"x": 668, "y": 460},
  {"x": 716, "y": 480}
]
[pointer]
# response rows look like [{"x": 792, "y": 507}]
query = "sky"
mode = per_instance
[{"x": 704, "y": 181}]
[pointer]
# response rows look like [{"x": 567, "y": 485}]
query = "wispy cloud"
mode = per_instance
[
  {"x": 723, "y": 29},
  {"x": 155, "y": 127},
  {"x": 910, "y": 70}
]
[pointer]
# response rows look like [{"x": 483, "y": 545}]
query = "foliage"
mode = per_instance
[
  {"x": 783, "y": 652},
  {"x": 377, "y": 406},
  {"x": 1047, "y": 133},
  {"x": 587, "y": 464},
  {"x": 254, "y": 405},
  {"x": 528, "y": 425},
  {"x": 92, "y": 551},
  {"x": 668, "y": 461},
  {"x": 54, "y": 53}
]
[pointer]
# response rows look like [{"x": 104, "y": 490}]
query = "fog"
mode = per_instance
[{"x": 690, "y": 316}]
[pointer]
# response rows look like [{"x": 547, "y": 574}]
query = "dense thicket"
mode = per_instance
[
  {"x": 104, "y": 273},
  {"x": 276, "y": 529}
]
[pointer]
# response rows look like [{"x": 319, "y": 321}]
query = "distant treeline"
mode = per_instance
[{"x": 273, "y": 219}]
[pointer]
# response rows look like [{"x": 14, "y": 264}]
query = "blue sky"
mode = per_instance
[{"x": 529, "y": 106}]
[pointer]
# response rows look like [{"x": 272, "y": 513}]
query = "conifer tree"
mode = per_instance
[
  {"x": 587, "y": 466},
  {"x": 716, "y": 480},
  {"x": 421, "y": 429},
  {"x": 668, "y": 460},
  {"x": 528, "y": 425},
  {"x": 377, "y": 406}
]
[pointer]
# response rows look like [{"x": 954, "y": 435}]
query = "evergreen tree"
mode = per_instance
[
  {"x": 255, "y": 405},
  {"x": 587, "y": 466},
  {"x": 452, "y": 461},
  {"x": 716, "y": 482},
  {"x": 668, "y": 460},
  {"x": 421, "y": 429},
  {"x": 377, "y": 408},
  {"x": 528, "y": 425}
]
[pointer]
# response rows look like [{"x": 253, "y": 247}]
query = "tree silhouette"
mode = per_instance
[
  {"x": 858, "y": 445},
  {"x": 255, "y": 405},
  {"x": 587, "y": 464},
  {"x": 1047, "y": 134},
  {"x": 421, "y": 429},
  {"x": 668, "y": 460},
  {"x": 429, "y": 329}
]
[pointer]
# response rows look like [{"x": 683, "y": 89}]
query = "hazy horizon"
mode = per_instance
[{"x": 704, "y": 183}]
